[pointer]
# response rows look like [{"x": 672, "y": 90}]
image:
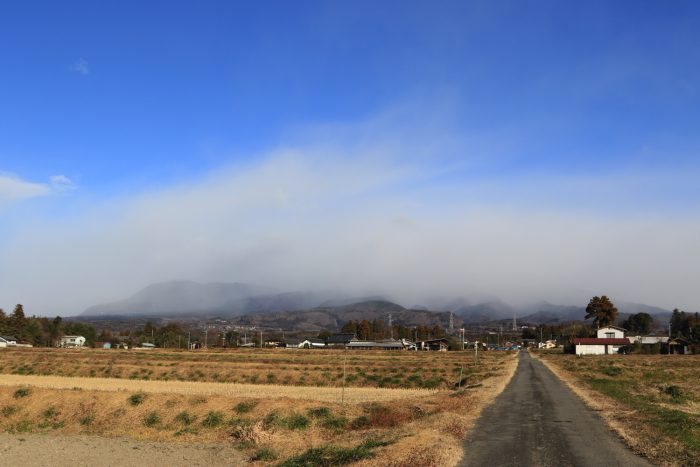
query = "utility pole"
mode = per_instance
[
  {"x": 391, "y": 327},
  {"x": 189, "y": 347},
  {"x": 261, "y": 341},
  {"x": 669, "y": 338},
  {"x": 462, "y": 346},
  {"x": 515, "y": 323},
  {"x": 452, "y": 322},
  {"x": 206, "y": 331}
]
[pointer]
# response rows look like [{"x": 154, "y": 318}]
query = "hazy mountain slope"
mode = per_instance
[
  {"x": 177, "y": 297},
  {"x": 316, "y": 319}
]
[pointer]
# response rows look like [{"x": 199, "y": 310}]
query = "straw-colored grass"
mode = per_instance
[
  {"x": 267, "y": 423},
  {"x": 649, "y": 400},
  {"x": 323, "y": 394}
]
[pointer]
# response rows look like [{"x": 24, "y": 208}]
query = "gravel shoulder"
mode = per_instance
[{"x": 34, "y": 450}]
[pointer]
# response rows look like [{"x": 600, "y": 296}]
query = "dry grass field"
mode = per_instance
[
  {"x": 270, "y": 424},
  {"x": 289, "y": 367},
  {"x": 652, "y": 401}
]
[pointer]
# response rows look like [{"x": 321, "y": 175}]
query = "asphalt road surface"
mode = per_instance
[{"x": 538, "y": 421}]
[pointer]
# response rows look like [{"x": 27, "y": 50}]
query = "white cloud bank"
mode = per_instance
[{"x": 385, "y": 215}]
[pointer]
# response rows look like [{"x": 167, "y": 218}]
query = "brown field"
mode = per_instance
[
  {"x": 652, "y": 401},
  {"x": 289, "y": 367},
  {"x": 268, "y": 424}
]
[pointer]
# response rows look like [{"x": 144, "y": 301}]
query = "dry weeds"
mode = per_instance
[{"x": 425, "y": 426}]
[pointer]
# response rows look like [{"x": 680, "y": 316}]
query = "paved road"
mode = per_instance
[{"x": 538, "y": 421}]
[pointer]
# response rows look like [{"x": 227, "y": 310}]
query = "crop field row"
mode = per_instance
[
  {"x": 652, "y": 400},
  {"x": 326, "y": 394},
  {"x": 298, "y": 367}
]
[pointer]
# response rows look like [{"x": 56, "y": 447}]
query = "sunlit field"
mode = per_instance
[
  {"x": 653, "y": 400},
  {"x": 398, "y": 408},
  {"x": 294, "y": 367}
]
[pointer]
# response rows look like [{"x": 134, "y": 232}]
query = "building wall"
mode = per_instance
[{"x": 602, "y": 333}]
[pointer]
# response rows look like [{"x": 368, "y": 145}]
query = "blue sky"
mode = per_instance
[{"x": 565, "y": 110}]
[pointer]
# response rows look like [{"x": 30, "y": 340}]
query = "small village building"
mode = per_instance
[
  {"x": 8, "y": 341},
  {"x": 599, "y": 346},
  {"x": 679, "y": 346},
  {"x": 341, "y": 340},
  {"x": 440, "y": 345},
  {"x": 148, "y": 346},
  {"x": 72, "y": 341},
  {"x": 548, "y": 344},
  {"x": 611, "y": 332}
]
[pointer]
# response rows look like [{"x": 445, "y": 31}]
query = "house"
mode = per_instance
[
  {"x": 548, "y": 344},
  {"x": 648, "y": 340},
  {"x": 599, "y": 345},
  {"x": 433, "y": 344},
  {"x": 340, "y": 340},
  {"x": 147, "y": 346},
  {"x": 611, "y": 332},
  {"x": 679, "y": 346},
  {"x": 389, "y": 344},
  {"x": 296, "y": 343},
  {"x": 8, "y": 341},
  {"x": 72, "y": 341}
]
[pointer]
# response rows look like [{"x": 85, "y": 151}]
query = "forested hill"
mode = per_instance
[{"x": 333, "y": 317}]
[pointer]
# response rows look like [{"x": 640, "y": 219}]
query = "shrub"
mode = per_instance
[
  {"x": 50, "y": 412},
  {"x": 335, "y": 423},
  {"x": 87, "y": 420},
  {"x": 296, "y": 422},
  {"x": 213, "y": 419},
  {"x": 22, "y": 392},
  {"x": 8, "y": 410},
  {"x": 384, "y": 416},
  {"x": 137, "y": 398},
  {"x": 612, "y": 371},
  {"x": 675, "y": 392},
  {"x": 264, "y": 454},
  {"x": 185, "y": 418},
  {"x": 360, "y": 422},
  {"x": 244, "y": 407},
  {"x": 332, "y": 455},
  {"x": 152, "y": 420},
  {"x": 318, "y": 412}
]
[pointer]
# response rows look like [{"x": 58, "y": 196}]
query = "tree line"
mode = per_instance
[{"x": 41, "y": 331}]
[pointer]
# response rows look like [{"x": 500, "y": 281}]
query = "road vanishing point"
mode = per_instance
[{"x": 538, "y": 421}]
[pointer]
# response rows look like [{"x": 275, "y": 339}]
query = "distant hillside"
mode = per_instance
[
  {"x": 316, "y": 319},
  {"x": 326, "y": 309},
  {"x": 485, "y": 312}
]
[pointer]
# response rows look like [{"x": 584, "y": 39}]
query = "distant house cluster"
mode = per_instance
[
  {"x": 612, "y": 340},
  {"x": 351, "y": 342}
]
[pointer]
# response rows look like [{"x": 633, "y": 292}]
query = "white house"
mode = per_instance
[
  {"x": 611, "y": 332},
  {"x": 8, "y": 341},
  {"x": 72, "y": 341},
  {"x": 609, "y": 341}
]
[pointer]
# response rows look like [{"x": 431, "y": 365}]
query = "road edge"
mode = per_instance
[
  {"x": 488, "y": 399},
  {"x": 605, "y": 407}
]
